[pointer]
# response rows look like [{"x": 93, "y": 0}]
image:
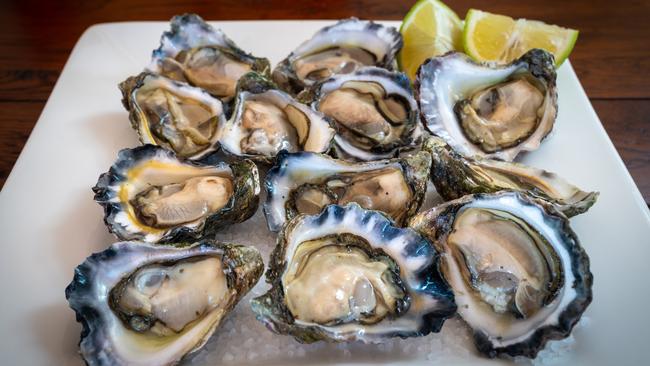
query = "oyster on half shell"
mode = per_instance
[
  {"x": 172, "y": 114},
  {"x": 194, "y": 52},
  {"x": 304, "y": 183},
  {"x": 455, "y": 176},
  {"x": 150, "y": 195},
  {"x": 144, "y": 304},
  {"x": 349, "y": 274},
  {"x": 267, "y": 120},
  {"x": 373, "y": 110},
  {"x": 488, "y": 109},
  {"x": 519, "y": 275},
  {"x": 341, "y": 48}
]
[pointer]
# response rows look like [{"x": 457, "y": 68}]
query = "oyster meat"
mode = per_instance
[
  {"x": 194, "y": 52},
  {"x": 144, "y": 304},
  {"x": 341, "y": 48},
  {"x": 304, "y": 183},
  {"x": 150, "y": 195},
  {"x": 519, "y": 275},
  {"x": 487, "y": 109},
  {"x": 455, "y": 176},
  {"x": 374, "y": 112},
  {"x": 349, "y": 274},
  {"x": 267, "y": 120},
  {"x": 172, "y": 114}
]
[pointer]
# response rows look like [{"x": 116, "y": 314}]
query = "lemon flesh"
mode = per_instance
[
  {"x": 429, "y": 29},
  {"x": 493, "y": 37}
]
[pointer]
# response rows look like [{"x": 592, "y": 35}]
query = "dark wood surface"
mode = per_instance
[{"x": 611, "y": 58}]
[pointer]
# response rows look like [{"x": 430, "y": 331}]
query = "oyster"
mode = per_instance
[
  {"x": 487, "y": 109},
  {"x": 172, "y": 114},
  {"x": 373, "y": 109},
  {"x": 304, "y": 183},
  {"x": 455, "y": 176},
  {"x": 151, "y": 195},
  {"x": 518, "y": 273},
  {"x": 341, "y": 48},
  {"x": 205, "y": 57},
  {"x": 267, "y": 120},
  {"x": 143, "y": 304},
  {"x": 349, "y": 274}
]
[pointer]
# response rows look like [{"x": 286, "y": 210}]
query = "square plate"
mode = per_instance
[{"x": 49, "y": 222}]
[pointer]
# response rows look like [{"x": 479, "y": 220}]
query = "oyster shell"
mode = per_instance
[
  {"x": 487, "y": 109},
  {"x": 304, "y": 183},
  {"x": 517, "y": 270},
  {"x": 143, "y": 304},
  {"x": 194, "y": 52},
  {"x": 151, "y": 195},
  {"x": 455, "y": 176},
  {"x": 349, "y": 274},
  {"x": 172, "y": 114},
  {"x": 374, "y": 112},
  {"x": 267, "y": 120},
  {"x": 338, "y": 49}
]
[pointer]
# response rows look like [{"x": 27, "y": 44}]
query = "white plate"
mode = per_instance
[{"x": 49, "y": 222}]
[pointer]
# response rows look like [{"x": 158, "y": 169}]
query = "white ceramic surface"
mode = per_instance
[{"x": 49, "y": 222}]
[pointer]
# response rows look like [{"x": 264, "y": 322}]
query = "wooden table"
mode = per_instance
[{"x": 612, "y": 56}]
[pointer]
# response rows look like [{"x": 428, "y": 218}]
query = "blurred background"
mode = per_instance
[{"x": 611, "y": 57}]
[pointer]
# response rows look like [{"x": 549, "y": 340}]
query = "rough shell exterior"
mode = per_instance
[{"x": 455, "y": 176}]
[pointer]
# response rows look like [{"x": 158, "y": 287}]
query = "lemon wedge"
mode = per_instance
[
  {"x": 429, "y": 29},
  {"x": 493, "y": 37}
]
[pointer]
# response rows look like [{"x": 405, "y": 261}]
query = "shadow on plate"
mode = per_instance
[
  {"x": 111, "y": 132},
  {"x": 79, "y": 232},
  {"x": 56, "y": 332}
]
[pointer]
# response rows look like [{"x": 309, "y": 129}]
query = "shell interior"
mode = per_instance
[
  {"x": 430, "y": 300},
  {"x": 488, "y": 109},
  {"x": 518, "y": 272},
  {"x": 151, "y": 195},
  {"x": 304, "y": 183},
  {"x": 373, "y": 109},
  {"x": 338, "y": 49},
  {"x": 173, "y": 114},
  {"x": 267, "y": 120},
  {"x": 154, "y": 274},
  {"x": 194, "y": 52}
]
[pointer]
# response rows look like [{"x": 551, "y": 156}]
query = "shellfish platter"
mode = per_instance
[{"x": 272, "y": 310}]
